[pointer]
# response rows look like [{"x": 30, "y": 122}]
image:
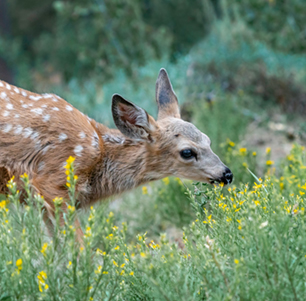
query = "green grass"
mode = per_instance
[
  {"x": 242, "y": 243},
  {"x": 245, "y": 242}
]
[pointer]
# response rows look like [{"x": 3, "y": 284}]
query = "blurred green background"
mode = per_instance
[{"x": 238, "y": 68}]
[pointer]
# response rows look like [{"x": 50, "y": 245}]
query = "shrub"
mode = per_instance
[{"x": 245, "y": 243}]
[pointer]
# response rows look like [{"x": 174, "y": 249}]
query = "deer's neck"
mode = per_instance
[{"x": 125, "y": 165}]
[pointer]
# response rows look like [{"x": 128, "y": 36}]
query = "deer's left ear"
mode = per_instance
[
  {"x": 165, "y": 97},
  {"x": 132, "y": 121}
]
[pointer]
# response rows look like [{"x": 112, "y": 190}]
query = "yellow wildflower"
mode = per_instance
[
  {"x": 243, "y": 151},
  {"x": 24, "y": 176},
  {"x": 115, "y": 263},
  {"x": 19, "y": 264},
  {"x": 42, "y": 276},
  {"x": 230, "y": 143},
  {"x": 132, "y": 273},
  {"x": 144, "y": 190},
  {"x": 2, "y": 204},
  {"x": 58, "y": 201},
  {"x": 268, "y": 150},
  {"x": 69, "y": 161},
  {"x": 236, "y": 261},
  {"x": 98, "y": 270},
  {"x": 166, "y": 181},
  {"x": 71, "y": 208},
  {"x": 44, "y": 248},
  {"x": 269, "y": 162},
  {"x": 254, "y": 154}
]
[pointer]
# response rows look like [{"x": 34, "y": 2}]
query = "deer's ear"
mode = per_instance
[
  {"x": 132, "y": 121},
  {"x": 165, "y": 97}
]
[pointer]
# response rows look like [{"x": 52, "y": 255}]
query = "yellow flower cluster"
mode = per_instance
[
  {"x": 71, "y": 178},
  {"x": 42, "y": 285}
]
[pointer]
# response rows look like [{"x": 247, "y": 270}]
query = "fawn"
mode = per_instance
[{"x": 40, "y": 131}]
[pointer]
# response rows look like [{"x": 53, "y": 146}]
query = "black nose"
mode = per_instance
[{"x": 227, "y": 177}]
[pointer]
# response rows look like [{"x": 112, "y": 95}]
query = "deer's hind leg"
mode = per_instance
[{"x": 4, "y": 178}]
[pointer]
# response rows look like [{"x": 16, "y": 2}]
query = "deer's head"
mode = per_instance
[{"x": 174, "y": 146}]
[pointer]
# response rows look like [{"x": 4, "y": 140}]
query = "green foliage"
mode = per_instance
[
  {"x": 161, "y": 206},
  {"x": 279, "y": 23},
  {"x": 83, "y": 39},
  {"x": 223, "y": 117},
  {"x": 186, "y": 22},
  {"x": 245, "y": 243}
]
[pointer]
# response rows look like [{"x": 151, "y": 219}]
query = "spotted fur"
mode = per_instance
[{"x": 39, "y": 132}]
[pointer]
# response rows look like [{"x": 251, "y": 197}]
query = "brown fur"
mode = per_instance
[{"x": 39, "y": 132}]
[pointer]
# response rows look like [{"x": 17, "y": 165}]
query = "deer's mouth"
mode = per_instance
[{"x": 214, "y": 181}]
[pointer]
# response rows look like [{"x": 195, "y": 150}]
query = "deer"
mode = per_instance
[{"x": 38, "y": 132}]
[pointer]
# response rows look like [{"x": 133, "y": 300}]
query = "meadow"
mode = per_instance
[
  {"x": 239, "y": 242},
  {"x": 239, "y": 73}
]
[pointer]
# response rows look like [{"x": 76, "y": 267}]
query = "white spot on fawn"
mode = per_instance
[
  {"x": 54, "y": 99},
  {"x": 18, "y": 129},
  {"x": 55, "y": 109},
  {"x": 8, "y": 87},
  {"x": 35, "y": 97},
  {"x": 16, "y": 90},
  {"x": 9, "y": 106},
  {"x": 82, "y": 135},
  {"x": 6, "y": 113},
  {"x": 24, "y": 93},
  {"x": 44, "y": 106},
  {"x": 38, "y": 111},
  {"x": 3, "y": 95},
  {"x": 34, "y": 135},
  {"x": 17, "y": 115},
  {"x": 62, "y": 137},
  {"x": 41, "y": 166},
  {"x": 68, "y": 108},
  {"x": 46, "y": 149},
  {"x": 95, "y": 140},
  {"x": 78, "y": 150},
  {"x": 46, "y": 118},
  {"x": 27, "y": 132},
  {"x": 7, "y": 128},
  {"x": 25, "y": 106},
  {"x": 1, "y": 84},
  {"x": 47, "y": 95}
]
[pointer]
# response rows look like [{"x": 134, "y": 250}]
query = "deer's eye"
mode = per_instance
[{"x": 188, "y": 154}]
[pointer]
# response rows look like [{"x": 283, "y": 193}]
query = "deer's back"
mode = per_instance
[{"x": 38, "y": 132}]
